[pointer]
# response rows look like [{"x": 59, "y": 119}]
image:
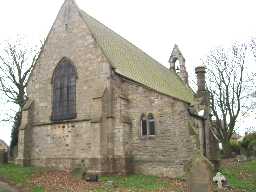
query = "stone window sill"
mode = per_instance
[{"x": 144, "y": 137}]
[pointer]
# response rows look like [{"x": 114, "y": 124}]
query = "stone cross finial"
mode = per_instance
[{"x": 219, "y": 179}]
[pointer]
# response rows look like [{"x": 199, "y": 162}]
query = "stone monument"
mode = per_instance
[{"x": 200, "y": 174}]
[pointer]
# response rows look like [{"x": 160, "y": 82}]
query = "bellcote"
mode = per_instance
[{"x": 177, "y": 58}]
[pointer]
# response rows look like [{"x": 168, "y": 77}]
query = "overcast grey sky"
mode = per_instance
[{"x": 152, "y": 25}]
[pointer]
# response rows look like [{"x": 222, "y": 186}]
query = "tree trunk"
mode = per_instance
[{"x": 226, "y": 149}]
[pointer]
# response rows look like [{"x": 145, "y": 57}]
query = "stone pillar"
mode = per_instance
[
  {"x": 200, "y": 72},
  {"x": 122, "y": 137},
  {"x": 209, "y": 141},
  {"x": 24, "y": 138},
  {"x": 96, "y": 165}
]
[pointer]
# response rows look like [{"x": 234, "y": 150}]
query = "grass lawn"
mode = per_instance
[
  {"x": 19, "y": 176},
  {"x": 241, "y": 175},
  {"x": 33, "y": 179},
  {"x": 139, "y": 183}
]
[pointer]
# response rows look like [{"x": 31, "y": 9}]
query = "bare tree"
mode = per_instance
[
  {"x": 16, "y": 64},
  {"x": 230, "y": 86},
  {"x": 253, "y": 46}
]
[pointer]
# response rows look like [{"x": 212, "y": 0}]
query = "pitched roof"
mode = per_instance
[{"x": 134, "y": 64}]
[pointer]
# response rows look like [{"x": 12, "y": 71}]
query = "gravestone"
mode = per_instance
[
  {"x": 3, "y": 157},
  {"x": 219, "y": 179},
  {"x": 92, "y": 178},
  {"x": 241, "y": 158},
  {"x": 80, "y": 171},
  {"x": 200, "y": 174}
]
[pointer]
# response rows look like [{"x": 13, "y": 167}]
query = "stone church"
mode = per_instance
[{"x": 97, "y": 99}]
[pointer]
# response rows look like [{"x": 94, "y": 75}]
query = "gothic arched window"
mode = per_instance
[
  {"x": 143, "y": 122},
  {"x": 64, "y": 91},
  {"x": 151, "y": 124}
]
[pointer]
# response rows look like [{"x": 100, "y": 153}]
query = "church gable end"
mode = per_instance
[
  {"x": 69, "y": 38},
  {"x": 70, "y": 68},
  {"x": 101, "y": 101}
]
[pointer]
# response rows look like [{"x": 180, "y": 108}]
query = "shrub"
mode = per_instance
[
  {"x": 234, "y": 147},
  {"x": 248, "y": 145},
  {"x": 252, "y": 148}
]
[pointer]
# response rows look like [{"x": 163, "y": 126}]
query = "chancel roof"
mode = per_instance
[{"x": 132, "y": 63}]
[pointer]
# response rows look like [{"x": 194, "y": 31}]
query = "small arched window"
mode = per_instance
[
  {"x": 151, "y": 124},
  {"x": 147, "y": 124},
  {"x": 143, "y": 122},
  {"x": 64, "y": 91}
]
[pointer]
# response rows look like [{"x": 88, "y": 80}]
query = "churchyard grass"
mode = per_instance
[
  {"x": 16, "y": 174},
  {"x": 38, "y": 189},
  {"x": 19, "y": 176},
  {"x": 138, "y": 182},
  {"x": 241, "y": 175},
  {"x": 34, "y": 180}
]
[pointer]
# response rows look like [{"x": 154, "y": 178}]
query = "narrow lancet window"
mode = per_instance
[
  {"x": 64, "y": 91},
  {"x": 147, "y": 125},
  {"x": 151, "y": 124},
  {"x": 143, "y": 125}
]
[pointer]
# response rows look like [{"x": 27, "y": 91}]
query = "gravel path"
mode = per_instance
[{"x": 4, "y": 187}]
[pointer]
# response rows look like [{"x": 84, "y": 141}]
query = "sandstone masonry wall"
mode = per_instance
[
  {"x": 106, "y": 132},
  {"x": 66, "y": 144},
  {"x": 164, "y": 154}
]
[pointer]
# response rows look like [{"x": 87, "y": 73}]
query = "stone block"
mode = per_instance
[{"x": 3, "y": 157}]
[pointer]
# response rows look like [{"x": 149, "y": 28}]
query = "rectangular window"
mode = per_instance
[{"x": 151, "y": 125}]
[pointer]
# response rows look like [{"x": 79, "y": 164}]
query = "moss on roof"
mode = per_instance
[{"x": 134, "y": 64}]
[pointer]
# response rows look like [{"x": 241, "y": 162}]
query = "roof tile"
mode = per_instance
[{"x": 133, "y": 63}]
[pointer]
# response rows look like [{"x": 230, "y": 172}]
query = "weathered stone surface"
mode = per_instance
[
  {"x": 3, "y": 145},
  {"x": 3, "y": 156},
  {"x": 200, "y": 174},
  {"x": 64, "y": 145},
  {"x": 181, "y": 68},
  {"x": 164, "y": 153},
  {"x": 3, "y": 152},
  {"x": 106, "y": 133}
]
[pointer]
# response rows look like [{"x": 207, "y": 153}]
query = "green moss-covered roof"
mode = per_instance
[{"x": 134, "y": 64}]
